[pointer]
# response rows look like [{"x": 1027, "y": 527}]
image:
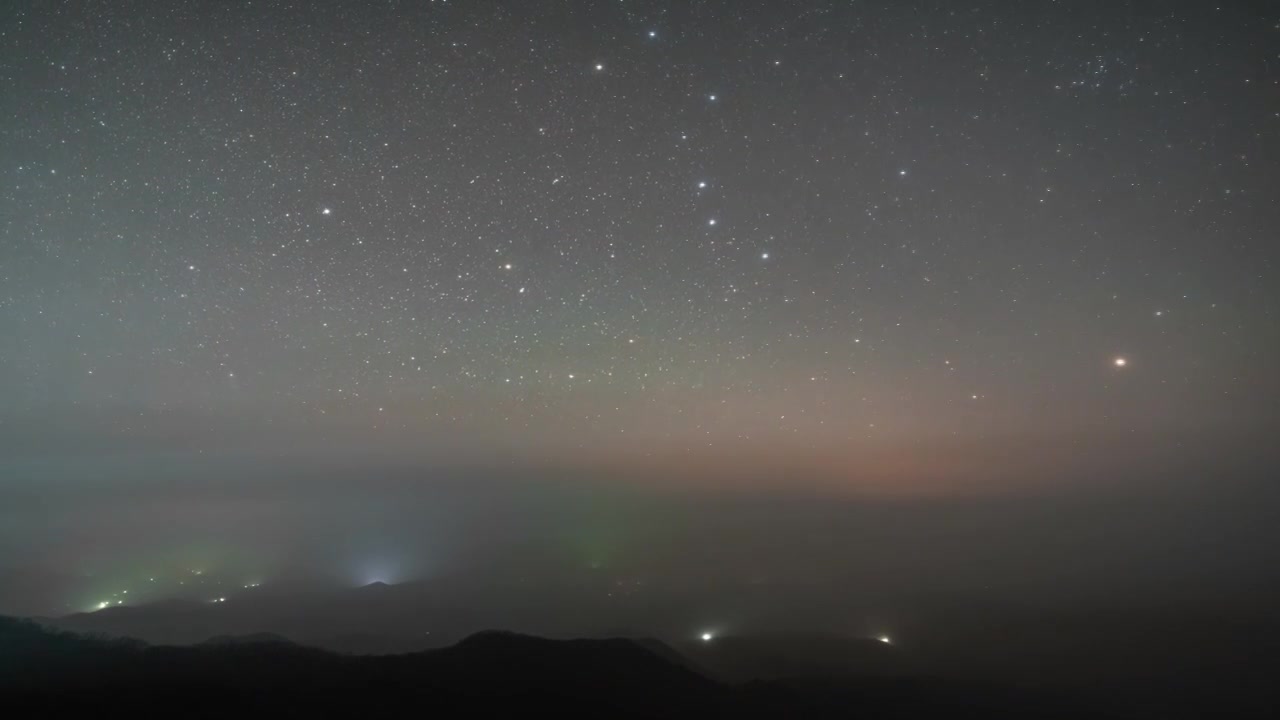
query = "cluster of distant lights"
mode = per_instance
[
  {"x": 706, "y": 636},
  {"x": 116, "y": 601}
]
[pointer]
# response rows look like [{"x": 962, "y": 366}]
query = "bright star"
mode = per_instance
[
  {"x": 326, "y": 211},
  {"x": 1121, "y": 362},
  {"x": 707, "y": 637},
  {"x": 712, "y": 221},
  {"x": 764, "y": 256},
  {"x": 599, "y": 66}
]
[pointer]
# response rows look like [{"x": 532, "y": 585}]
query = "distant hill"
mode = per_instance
[
  {"x": 52, "y": 672},
  {"x": 489, "y": 672}
]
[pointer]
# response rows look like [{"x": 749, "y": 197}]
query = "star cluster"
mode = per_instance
[{"x": 633, "y": 228}]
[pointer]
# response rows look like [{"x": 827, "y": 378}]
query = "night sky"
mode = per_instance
[{"x": 257, "y": 258}]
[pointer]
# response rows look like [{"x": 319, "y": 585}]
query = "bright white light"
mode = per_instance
[
  {"x": 884, "y": 639},
  {"x": 1121, "y": 362},
  {"x": 599, "y": 66},
  {"x": 764, "y": 256},
  {"x": 379, "y": 567},
  {"x": 712, "y": 221},
  {"x": 103, "y": 605},
  {"x": 326, "y": 211},
  {"x": 707, "y": 637}
]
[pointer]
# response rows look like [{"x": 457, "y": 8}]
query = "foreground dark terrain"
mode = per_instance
[{"x": 43, "y": 670}]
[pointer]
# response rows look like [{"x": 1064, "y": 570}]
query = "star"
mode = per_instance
[{"x": 441, "y": 178}]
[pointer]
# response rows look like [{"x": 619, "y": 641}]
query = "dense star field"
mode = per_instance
[{"x": 885, "y": 249}]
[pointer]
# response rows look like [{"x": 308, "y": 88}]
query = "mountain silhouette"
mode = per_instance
[
  {"x": 488, "y": 672},
  {"x": 51, "y": 672}
]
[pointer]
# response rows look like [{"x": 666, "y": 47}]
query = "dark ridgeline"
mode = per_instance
[{"x": 46, "y": 671}]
